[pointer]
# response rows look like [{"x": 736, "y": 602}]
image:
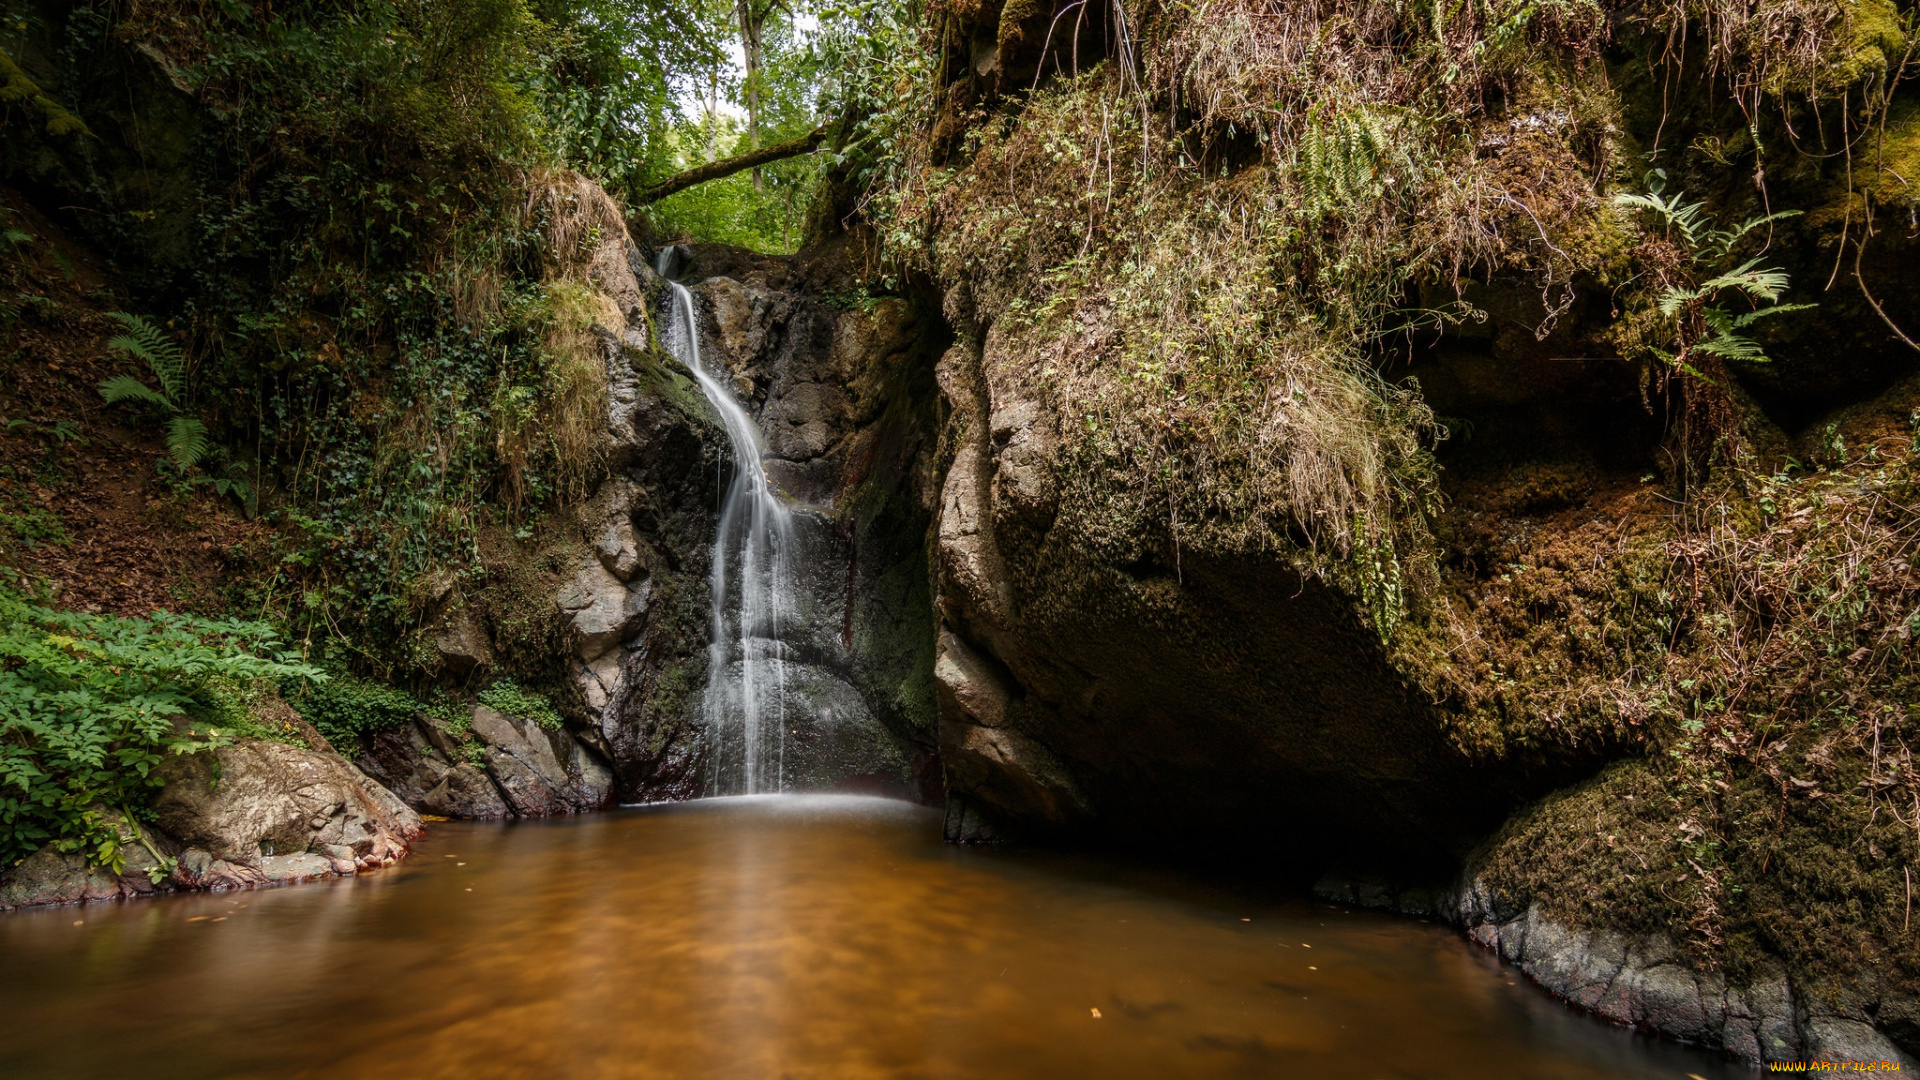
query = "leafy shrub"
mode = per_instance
[
  {"x": 505, "y": 697},
  {"x": 89, "y": 704},
  {"x": 344, "y": 708}
]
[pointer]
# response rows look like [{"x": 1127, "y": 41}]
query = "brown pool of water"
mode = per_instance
[{"x": 801, "y": 937}]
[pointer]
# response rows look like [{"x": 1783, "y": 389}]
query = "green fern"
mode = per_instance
[
  {"x": 188, "y": 442},
  {"x": 1703, "y": 323},
  {"x": 1347, "y": 158},
  {"x": 163, "y": 355},
  {"x": 127, "y": 388}
]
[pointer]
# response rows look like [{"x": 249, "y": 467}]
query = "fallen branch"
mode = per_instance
[{"x": 752, "y": 159}]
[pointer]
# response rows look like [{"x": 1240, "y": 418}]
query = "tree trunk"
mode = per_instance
[
  {"x": 713, "y": 111},
  {"x": 752, "y": 159},
  {"x": 752, "y": 21}
]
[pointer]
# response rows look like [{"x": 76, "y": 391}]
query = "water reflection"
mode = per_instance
[{"x": 771, "y": 937}]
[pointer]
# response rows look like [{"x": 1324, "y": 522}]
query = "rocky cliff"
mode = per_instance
[
  {"x": 612, "y": 601},
  {"x": 1316, "y": 477}
]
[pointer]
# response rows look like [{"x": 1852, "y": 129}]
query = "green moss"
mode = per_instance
[
  {"x": 1607, "y": 852},
  {"x": 17, "y": 89},
  {"x": 1013, "y": 19},
  {"x": 1873, "y": 41},
  {"x": 1890, "y": 161}
]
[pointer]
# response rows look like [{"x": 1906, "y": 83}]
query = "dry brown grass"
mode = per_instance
[{"x": 578, "y": 216}]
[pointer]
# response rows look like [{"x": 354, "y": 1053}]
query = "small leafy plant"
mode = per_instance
[
  {"x": 187, "y": 441},
  {"x": 504, "y": 696},
  {"x": 1703, "y": 321},
  {"x": 91, "y": 704},
  {"x": 344, "y": 707},
  {"x": 189, "y": 446}
]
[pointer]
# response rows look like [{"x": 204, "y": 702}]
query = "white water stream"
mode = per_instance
[{"x": 745, "y": 707}]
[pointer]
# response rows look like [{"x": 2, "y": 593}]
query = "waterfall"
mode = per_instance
[{"x": 745, "y": 707}]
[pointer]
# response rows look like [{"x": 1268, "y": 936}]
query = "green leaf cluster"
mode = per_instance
[
  {"x": 344, "y": 707},
  {"x": 504, "y": 696},
  {"x": 1703, "y": 321},
  {"x": 91, "y": 704}
]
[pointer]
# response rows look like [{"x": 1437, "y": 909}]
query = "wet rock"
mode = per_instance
[
  {"x": 1644, "y": 981},
  {"x": 1760, "y": 1022},
  {"x": 244, "y": 802},
  {"x": 834, "y": 741},
  {"x": 592, "y": 784},
  {"x": 1899, "y": 1017},
  {"x": 1839, "y": 1028},
  {"x": 964, "y": 824},
  {"x": 289, "y": 869},
  {"x": 466, "y": 791},
  {"x": 48, "y": 877},
  {"x": 601, "y": 611},
  {"x": 523, "y": 764}
]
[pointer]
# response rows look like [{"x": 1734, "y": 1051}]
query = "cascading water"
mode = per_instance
[{"x": 745, "y": 707}]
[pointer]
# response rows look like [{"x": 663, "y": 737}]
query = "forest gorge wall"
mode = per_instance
[{"x": 1130, "y": 520}]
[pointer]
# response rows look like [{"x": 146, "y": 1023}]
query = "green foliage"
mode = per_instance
[
  {"x": 89, "y": 705},
  {"x": 344, "y": 707},
  {"x": 732, "y": 210},
  {"x": 1703, "y": 323},
  {"x": 32, "y": 526},
  {"x": 505, "y": 697},
  {"x": 1349, "y": 157},
  {"x": 614, "y": 74},
  {"x": 163, "y": 356},
  {"x": 188, "y": 443}
]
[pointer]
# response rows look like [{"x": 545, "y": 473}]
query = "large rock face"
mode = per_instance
[
  {"x": 237, "y": 808},
  {"x": 842, "y": 398},
  {"x": 1095, "y": 683}
]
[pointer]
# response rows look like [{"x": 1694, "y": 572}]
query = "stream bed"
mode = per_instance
[{"x": 778, "y": 936}]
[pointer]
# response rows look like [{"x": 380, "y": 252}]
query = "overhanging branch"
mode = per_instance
[{"x": 752, "y": 159}]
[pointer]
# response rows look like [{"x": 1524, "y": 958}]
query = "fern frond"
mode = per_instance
[
  {"x": 187, "y": 442},
  {"x": 127, "y": 388},
  {"x": 1733, "y": 347},
  {"x": 1673, "y": 300},
  {"x": 1724, "y": 240},
  {"x": 1772, "y": 309},
  {"x": 1765, "y": 284},
  {"x": 163, "y": 356}
]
